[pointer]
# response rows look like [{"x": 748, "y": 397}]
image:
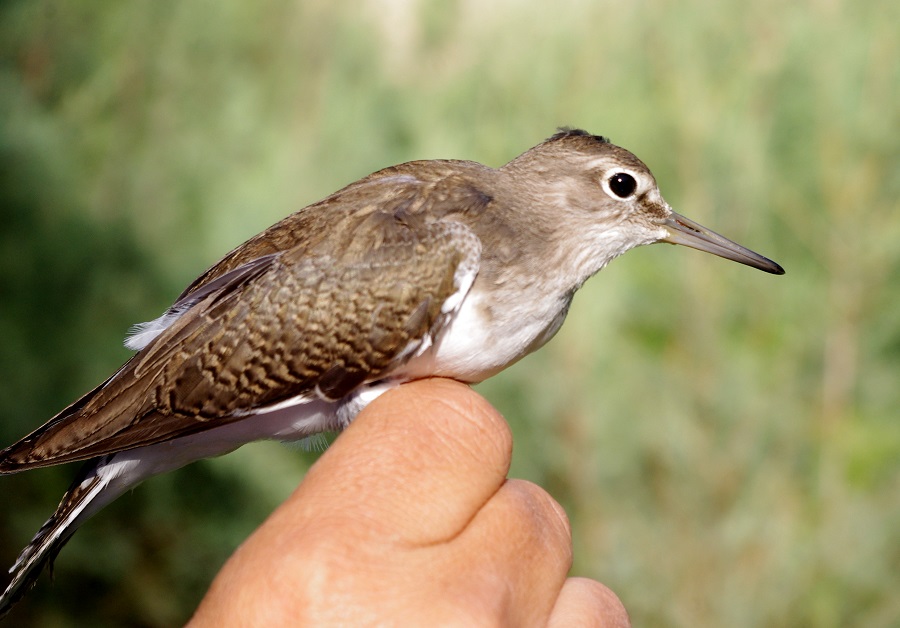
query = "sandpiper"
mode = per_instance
[{"x": 430, "y": 268}]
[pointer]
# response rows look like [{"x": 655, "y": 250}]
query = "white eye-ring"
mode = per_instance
[{"x": 620, "y": 184}]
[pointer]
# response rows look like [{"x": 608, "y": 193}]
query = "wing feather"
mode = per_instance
[{"x": 292, "y": 321}]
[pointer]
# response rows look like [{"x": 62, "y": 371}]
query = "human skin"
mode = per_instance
[{"x": 408, "y": 519}]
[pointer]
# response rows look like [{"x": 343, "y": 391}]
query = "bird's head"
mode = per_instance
[{"x": 609, "y": 199}]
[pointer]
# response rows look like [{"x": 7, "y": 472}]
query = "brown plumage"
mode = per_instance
[{"x": 334, "y": 293}]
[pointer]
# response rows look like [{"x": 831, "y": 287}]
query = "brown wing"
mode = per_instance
[
  {"x": 431, "y": 189},
  {"x": 300, "y": 322}
]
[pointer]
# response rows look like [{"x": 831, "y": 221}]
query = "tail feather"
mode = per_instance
[
  {"x": 77, "y": 505},
  {"x": 103, "y": 479}
]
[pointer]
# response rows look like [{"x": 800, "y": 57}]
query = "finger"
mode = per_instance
[
  {"x": 413, "y": 467},
  {"x": 516, "y": 553},
  {"x": 584, "y": 602}
]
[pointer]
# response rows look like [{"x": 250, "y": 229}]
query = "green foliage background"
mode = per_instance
[{"x": 726, "y": 442}]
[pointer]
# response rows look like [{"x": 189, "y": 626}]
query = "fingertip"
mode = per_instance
[
  {"x": 588, "y": 603},
  {"x": 444, "y": 415},
  {"x": 450, "y": 397}
]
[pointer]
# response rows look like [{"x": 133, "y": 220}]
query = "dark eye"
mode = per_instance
[{"x": 622, "y": 184}]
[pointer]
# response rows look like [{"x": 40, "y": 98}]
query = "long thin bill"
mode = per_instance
[{"x": 689, "y": 233}]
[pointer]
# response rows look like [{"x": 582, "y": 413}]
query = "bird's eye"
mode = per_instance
[{"x": 622, "y": 184}]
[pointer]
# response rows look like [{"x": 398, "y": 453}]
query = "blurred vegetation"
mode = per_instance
[{"x": 726, "y": 442}]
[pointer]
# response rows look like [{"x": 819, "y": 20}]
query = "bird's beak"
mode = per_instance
[{"x": 689, "y": 233}]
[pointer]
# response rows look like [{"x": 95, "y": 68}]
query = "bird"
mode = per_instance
[{"x": 442, "y": 268}]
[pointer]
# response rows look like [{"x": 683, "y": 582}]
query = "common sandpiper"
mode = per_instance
[{"x": 430, "y": 268}]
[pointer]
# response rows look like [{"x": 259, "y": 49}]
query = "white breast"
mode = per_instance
[{"x": 476, "y": 345}]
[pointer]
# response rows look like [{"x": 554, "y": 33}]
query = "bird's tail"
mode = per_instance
[{"x": 91, "y": 490}]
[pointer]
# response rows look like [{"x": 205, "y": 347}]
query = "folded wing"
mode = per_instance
[{"x": 273, "y": 323}]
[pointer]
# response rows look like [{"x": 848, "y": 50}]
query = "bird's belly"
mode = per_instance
[{"x": 479, "y": 343}]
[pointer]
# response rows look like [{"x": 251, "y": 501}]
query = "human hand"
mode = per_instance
[{"x": 408, "y": 519}]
